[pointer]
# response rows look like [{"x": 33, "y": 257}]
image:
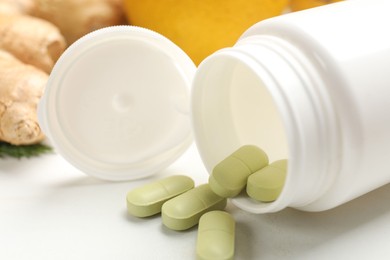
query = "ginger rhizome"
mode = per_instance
[
  {"x": 76, "y": 18},
  {"x": 21, "y": 87},
  {"x": 33, "y": 41},
  {"x": 33, "y": 35}
]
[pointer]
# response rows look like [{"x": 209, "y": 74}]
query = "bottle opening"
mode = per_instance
[{"x": 232, "y": 107}]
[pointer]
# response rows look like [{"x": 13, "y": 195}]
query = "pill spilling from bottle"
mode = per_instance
[
  {"x": 185, "y": 210},
  {"x": 229, "y": 177},
  {"x": 266, "y": 184},
  {"x": 215, "y": 236},
  {"x": 147, "y": 200},
  {"x": 183, "y": 206}
]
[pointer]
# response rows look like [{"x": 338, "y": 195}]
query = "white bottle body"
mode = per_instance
[{"x": 333, "y": 108}]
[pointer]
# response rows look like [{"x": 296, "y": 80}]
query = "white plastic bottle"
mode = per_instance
[{"x": 310, "y": 86}]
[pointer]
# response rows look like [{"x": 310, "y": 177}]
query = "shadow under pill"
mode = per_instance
[
  {"x": 170, "y": 232},
  {"x": 134, "y": 219}
]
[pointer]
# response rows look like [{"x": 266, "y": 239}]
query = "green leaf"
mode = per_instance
[{"x": 20, "y": 151}]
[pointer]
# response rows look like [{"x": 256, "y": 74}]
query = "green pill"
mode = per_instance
[
  {"x": 266, "y": 184},
  {"x": 229, "y": 177},
  {"x": 215, "y": 236},
  {"x": 147, "y": 200},
  {"x": 185, "y": 210}
]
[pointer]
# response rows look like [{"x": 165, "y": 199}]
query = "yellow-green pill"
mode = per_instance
[
  {"x": 215, "y": 236},
  {"x": 147, "y": 200},
  {"x": 229, "y": 177},
  {"x": 185, "y": 210},
  {"x": 266, "y": 184}
]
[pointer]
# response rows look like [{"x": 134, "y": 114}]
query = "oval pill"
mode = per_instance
[
  {"x": 229, "y": 177},
  {"x": 184, "y": 211},
  {"x": 215, "y": 236},
  {"x": 147, "y": 200},
  {"x": 266, "y": 184}
]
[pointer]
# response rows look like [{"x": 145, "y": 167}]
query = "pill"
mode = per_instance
[
  {"x": 215, "y": 236},
  {"x": 229, "y": 177},
  {"x": 184, "y": 211},
  {"x": 147, "y": 200},
  {"x": 266, "y": 184}
]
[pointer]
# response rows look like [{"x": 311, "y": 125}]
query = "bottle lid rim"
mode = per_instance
[{"x": 116, "y": 105}]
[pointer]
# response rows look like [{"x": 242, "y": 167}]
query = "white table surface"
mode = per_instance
[{"x": 50, "y": 210}]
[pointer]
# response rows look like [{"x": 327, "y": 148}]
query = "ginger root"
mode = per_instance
[
  {"x": 75, "y": 18},
  {"x": 21, "y": 87},
  {"x": 16, "y": 6},
  {"x": 33, "y": 35},
  {"x": 31, "y": 40}
]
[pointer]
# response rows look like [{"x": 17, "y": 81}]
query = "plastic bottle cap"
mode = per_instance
[{"x": 116, "y": 105}]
